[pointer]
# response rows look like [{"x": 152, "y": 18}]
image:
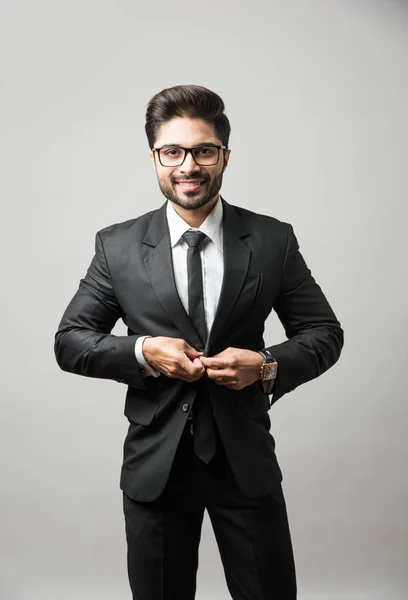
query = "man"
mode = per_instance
[{"x": 194, "y": 281}]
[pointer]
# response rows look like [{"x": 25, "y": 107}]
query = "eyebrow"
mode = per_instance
[{"x": 202, "y": 144}]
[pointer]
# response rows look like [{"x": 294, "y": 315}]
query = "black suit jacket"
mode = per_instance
[{"x": 131, "y": 277}]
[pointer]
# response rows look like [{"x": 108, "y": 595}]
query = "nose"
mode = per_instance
[{"x": 189, "y": 165}]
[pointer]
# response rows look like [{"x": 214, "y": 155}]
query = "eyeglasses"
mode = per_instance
[{"x": 174, "y": 156}]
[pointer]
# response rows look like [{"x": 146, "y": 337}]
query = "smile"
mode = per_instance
[{"x": 190, "y": 185}]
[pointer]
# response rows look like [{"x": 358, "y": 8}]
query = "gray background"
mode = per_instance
[{"x": 317, "y": 93}]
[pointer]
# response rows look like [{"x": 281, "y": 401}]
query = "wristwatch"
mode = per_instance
[{"x": 269, "y": 371}]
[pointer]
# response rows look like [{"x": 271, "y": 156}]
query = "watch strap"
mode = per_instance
[
  {"x": 266, "y": 355},
  {"x": 268, "y": 384}
]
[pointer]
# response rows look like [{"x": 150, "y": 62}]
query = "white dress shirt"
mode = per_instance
[{"x": 212, "y": 262}]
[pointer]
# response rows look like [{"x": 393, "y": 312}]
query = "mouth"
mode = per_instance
[{"x": 190, "y": 185}]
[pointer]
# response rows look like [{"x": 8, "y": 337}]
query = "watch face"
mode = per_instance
[{"x": 269, "y": 371}]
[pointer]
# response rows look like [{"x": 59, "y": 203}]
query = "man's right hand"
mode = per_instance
[{"x": 173, "y": 357}]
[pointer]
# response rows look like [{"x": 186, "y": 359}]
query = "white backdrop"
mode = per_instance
[{"x": 317, "y": 94}]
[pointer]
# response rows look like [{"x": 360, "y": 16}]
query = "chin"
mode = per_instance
[{"x": 190, "y": 202}]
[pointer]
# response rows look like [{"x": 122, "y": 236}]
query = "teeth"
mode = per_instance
[{"x": 185, "y": 184}]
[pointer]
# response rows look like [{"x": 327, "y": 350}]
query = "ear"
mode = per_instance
[
  {"x": 227, "y": 154},
  {"x": 152, "y": 158}
]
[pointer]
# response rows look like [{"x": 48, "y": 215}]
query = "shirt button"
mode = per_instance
[{"x": 186, "y": 407}]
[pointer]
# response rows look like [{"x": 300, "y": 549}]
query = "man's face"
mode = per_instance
[{"x": 189, "y": 185}]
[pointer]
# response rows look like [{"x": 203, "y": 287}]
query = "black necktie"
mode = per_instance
[
  {"x": 205, "y": 442},
  {"x": 194, "y": 240}
]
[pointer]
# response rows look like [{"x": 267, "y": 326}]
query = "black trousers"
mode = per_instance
[{"x": 252, "y": 535}]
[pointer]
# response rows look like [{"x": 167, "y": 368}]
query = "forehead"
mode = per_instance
[{"x": 186, "y": 132}]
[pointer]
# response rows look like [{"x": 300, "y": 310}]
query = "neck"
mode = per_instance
[{"x": 195, "y": 217}]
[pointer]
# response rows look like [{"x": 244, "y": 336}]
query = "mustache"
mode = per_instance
[{"x": 204, "y": 177}]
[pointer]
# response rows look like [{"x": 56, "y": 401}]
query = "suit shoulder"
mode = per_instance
[
  {"x": 260, "y": 220},
  {"x": 134, "y": 227}
]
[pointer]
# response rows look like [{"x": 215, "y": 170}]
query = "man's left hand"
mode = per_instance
[{"x": 234, "y": 367}]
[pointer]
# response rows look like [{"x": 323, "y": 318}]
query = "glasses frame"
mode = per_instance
[{"x": 190, "y": 150}]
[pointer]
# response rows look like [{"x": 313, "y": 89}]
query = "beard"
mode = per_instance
[{"x": 191, "y": 200}]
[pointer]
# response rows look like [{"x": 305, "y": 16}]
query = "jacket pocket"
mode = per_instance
[
  {"x": 140, "y": 410},
  {"x": 254, "y": 403}
]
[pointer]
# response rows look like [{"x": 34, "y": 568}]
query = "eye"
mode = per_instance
[
  {"x": 173, "y": 152},
  {"x": 206, "y": 151}
]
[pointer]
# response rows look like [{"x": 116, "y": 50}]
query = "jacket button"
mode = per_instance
[{"x": 186, "y": 407}]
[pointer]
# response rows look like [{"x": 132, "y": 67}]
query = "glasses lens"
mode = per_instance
[
  {"x": 206, "y": 155},
  {"x": 171, "y": 157}
]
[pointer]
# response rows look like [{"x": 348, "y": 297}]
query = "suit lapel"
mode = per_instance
[
  {"x": 237, "y": 257},
  {"x": 159, "y": 267}
]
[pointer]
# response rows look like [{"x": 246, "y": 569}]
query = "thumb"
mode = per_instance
[
  {"x": 191, "y": 352},
  {"x": 197, "y": 363}
]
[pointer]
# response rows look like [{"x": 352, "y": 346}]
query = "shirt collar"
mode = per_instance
[{"x": 212, "y": 226}]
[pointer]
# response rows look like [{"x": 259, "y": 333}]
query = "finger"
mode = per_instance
[
  {"x": 220, "y": 373},
  {"x": 189, "y": 378},
  {"x": 184, "y": 376},
  {"x": 197, "y": 363},
  {"x": 225, "y": 354},
  {"x": 183, "y": 368},
  {"x": 193, "y": 368},
  {"x": 190, "y": 351},
  {"x": 213, "y": 363}
]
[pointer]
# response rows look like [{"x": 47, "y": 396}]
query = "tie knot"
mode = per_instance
[{"x": 194, "y": 238}]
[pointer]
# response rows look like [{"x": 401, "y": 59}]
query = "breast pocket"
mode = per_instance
[
  {"x": 256, "y": 285},
  {"x": 249, "y": 293}
]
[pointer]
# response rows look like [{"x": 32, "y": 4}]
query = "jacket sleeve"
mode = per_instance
[
  {"x": 315, "y": 337},
  {"x": 83, "y": 343}
]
